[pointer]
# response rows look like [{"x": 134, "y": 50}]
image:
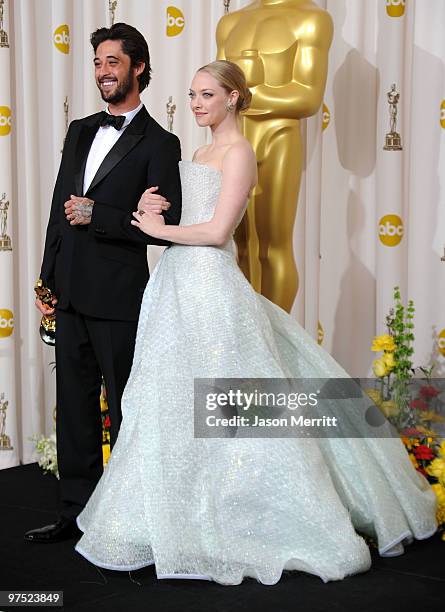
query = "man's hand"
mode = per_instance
[
  {"x": 78, "y": 210},
  {"x": 44, "y": 308},
  {"x": 151, "y": 202}
]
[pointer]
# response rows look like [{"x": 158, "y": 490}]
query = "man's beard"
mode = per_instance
[{"x": 121, "y": 91}]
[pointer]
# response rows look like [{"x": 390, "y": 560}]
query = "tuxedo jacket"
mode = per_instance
[{"x": 101, "y": 269}]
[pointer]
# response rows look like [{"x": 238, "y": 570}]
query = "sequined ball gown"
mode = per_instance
[{"x": 223, "y": 509}]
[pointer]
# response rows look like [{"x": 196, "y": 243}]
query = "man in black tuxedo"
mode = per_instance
[{"x": 95, "y": 261}]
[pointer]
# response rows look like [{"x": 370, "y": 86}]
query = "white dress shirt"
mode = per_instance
[{"x": 105, "y": 139}]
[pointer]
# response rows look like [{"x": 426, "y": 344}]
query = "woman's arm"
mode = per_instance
[{"x": 238, "y": 178}]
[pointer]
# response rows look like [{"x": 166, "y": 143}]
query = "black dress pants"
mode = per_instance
[{"x": 87, "y": 348}]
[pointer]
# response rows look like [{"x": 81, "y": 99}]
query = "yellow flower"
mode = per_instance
[
  {"x": 413, "y": 460},
  {"x": 375, "y": 395},
  {"x": 384, "y": 342},
  {"x": 430, "y": 415},
  {"x": 389, "y": 408},
  {"x": 437, "y": 469},
  {"x": 379, "y": 368},
  {"x": 440, "y": 493},
  {"x": 426, "y": 431},
  {"x": 103, "y": 403},
  {"x": 388, "y": 360},
  {"x": 410, "y": 442},
  {"x": 442, "y": 450},
  {"x": 105, "y": 454},
  {"x": 440, "y": 516}
]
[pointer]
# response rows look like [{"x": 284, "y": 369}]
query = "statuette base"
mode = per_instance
[
  {"x": 5, "y": 443},
  {"x": 393, "y": 142}
]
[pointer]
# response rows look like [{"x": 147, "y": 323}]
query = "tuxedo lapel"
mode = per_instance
[
  {"x": 129, "y": 139},
  {"x": 125, "y": 143},
  {"x": 86, "y": 137}
]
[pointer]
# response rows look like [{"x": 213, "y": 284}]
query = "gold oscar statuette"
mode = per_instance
[
  {"x": 393, "y": 141},
  {"x": 282, "y": 47},
  {"x": 112, "y": 4},
  {"x": 5, "y": 240},
  {"x": 171, "y": 108},
  {"x": 5, "y": 440},
  {"x": 66, "y": 110},
  {"x": 3, "y": 35},
  {"x": 48, "y": 323}
]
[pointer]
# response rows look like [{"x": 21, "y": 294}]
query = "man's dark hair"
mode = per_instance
[{"x": 133, "y": 44}]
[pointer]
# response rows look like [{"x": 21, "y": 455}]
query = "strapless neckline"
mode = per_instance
[{"x": 193, "y": 163}]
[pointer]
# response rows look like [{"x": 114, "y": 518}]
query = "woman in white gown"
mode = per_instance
[{"x": 223, "y": 509}]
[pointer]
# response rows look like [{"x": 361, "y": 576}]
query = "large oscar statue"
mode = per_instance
[{"x": 282, "y": 46}]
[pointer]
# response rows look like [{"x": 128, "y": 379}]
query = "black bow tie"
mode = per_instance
[{"x": 116, "y": 121}]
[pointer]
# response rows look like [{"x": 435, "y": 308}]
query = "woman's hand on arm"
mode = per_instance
[
  {"x": 148, "y": 222},
  {"x": 238, "y": 178}
]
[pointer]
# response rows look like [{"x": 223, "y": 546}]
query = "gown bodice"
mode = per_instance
[{"x": 201, "y": 185}]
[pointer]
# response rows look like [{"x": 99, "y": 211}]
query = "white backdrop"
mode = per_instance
[{"x": 347, "y": 266}]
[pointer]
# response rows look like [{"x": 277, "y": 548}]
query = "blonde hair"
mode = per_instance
[{"x": 231, "y": 78}]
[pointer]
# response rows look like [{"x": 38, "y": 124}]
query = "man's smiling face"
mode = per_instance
[{"x": 115, "y": 76}]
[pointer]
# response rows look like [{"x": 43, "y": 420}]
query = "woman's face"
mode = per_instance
[{"x": 209, "y": 100}]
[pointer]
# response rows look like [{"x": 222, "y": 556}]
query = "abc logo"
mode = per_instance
[
  {"x": 441, "y": 342},
  {"x": 5, "y": 120},
  {"x": 442, "y": 114},
  {"x": 391, "y": 230},
  {"x": 320, "y": 333},
  {"x": 326, "y": 116},
  {"x": 62, "y": 38},
  {"x": 6, "y": 323},
  {"x": 395, "y": 8},
  {"x": 175, "y": 21}
]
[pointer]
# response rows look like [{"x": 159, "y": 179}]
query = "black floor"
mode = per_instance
[{"x": 415, "y": 581}]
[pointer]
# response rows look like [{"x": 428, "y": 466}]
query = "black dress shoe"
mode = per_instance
[{"x": 64, "y": 529}]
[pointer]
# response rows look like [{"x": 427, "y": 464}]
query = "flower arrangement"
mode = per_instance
[
  {"x": 47, "y": 449},
  {"x": 106, "y": 423},
  {"x": 395, "y": 368},
  {"x": 410, "y": 404}
]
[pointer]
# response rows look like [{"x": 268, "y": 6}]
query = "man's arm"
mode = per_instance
[
  {"x": 113, "y": 223},
  {"x": 53, "y": 233}
]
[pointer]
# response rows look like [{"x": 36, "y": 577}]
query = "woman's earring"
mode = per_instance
[{"x": 230, "y": 107}]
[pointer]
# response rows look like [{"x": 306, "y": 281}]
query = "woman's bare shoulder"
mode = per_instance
[
  {"x": 241, "y": 150},
  {"x": 240, "y": 160}
]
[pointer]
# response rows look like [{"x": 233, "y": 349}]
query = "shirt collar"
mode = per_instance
[{"x": 130, "y": 115}]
